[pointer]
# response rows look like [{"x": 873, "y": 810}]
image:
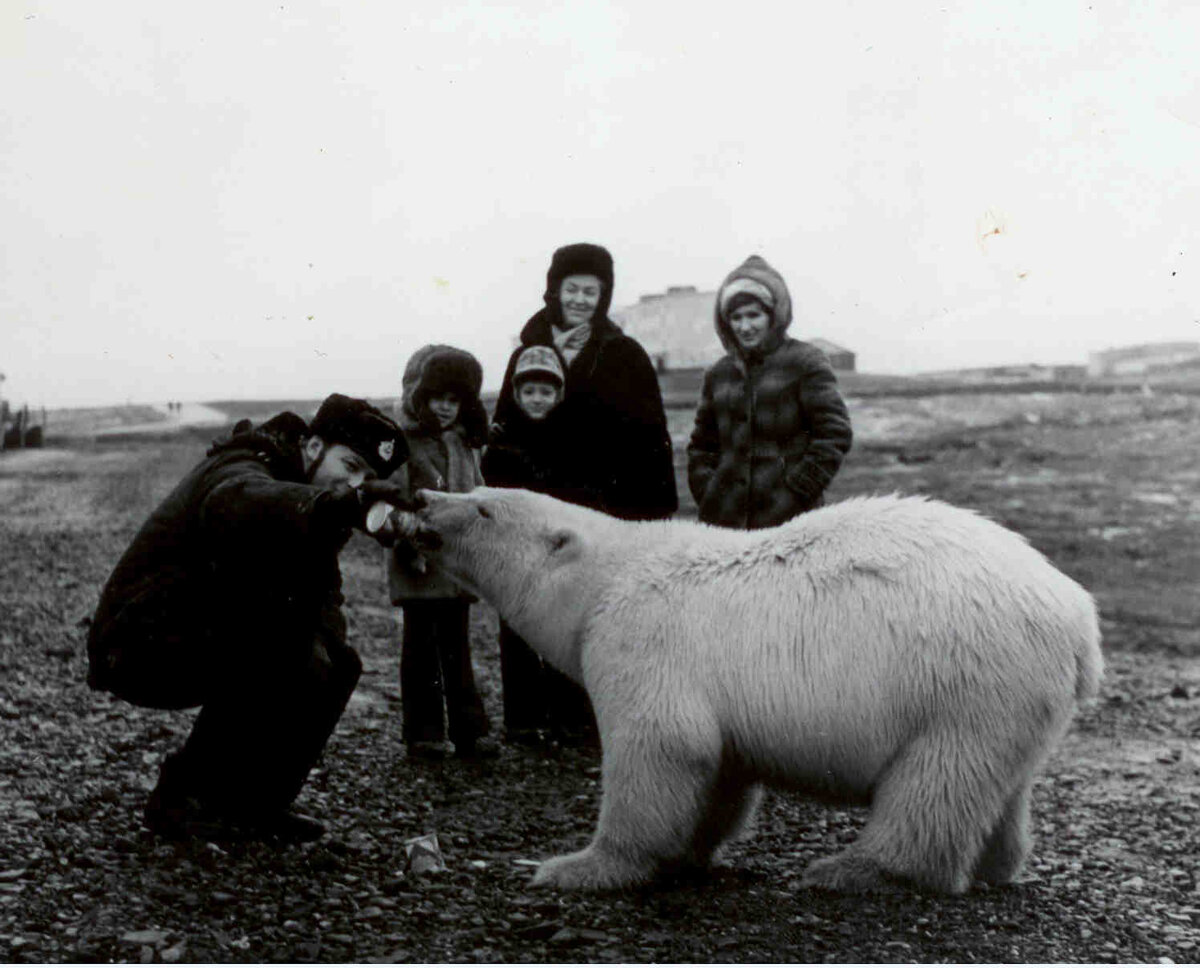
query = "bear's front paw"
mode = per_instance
[
  {"x": 848, "y": 873},
  {"x": 588, "y": 870}
]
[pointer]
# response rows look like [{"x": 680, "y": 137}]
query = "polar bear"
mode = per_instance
[{"x": 891, "y": 651}]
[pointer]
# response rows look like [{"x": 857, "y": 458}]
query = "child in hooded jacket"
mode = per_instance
[
  {"x": 772, "y": 428},
  {"x": 529, "y": 450},
  {"x": 444, "y": 424}
]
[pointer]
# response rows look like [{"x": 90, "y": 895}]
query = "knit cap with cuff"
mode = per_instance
[{"x": 539, "y": 363}]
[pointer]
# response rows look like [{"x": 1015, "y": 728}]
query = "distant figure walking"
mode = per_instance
[{"x": 772, "y": 428}]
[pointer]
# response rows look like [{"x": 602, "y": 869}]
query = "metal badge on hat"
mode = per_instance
[{"x": 386, "y": 449}]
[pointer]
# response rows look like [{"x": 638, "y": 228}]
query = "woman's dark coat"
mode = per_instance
[
  {"x": 616, "y": 440},
  {"x": 771, "y": 429}
]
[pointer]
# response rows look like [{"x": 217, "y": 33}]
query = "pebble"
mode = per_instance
[
  {"x": 174, "y": 954},
  {"x": 149, "y": 936},
  {"x": 540, "y": 931}
]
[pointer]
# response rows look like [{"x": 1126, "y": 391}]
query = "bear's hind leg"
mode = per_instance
[
  {"x": 929, "y": 819},
  {"x": 1008, "y": 844},
  {"x": 731, "y": 803},
  {"x": 657, "y": 785}
]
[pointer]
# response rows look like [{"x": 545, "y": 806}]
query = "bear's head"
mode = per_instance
[{"x": 531, "y": 556}]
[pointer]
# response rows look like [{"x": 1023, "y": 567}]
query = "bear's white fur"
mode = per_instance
[{"x": 893, "y": 651}]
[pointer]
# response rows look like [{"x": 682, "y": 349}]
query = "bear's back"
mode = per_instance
[
  {"x": 908, "y": 538},
  {"x": 887, "y": 580}
]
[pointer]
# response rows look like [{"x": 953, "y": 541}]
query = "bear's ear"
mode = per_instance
[{"x": 564, "y": 544}]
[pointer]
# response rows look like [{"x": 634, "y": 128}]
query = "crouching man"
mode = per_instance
[{"x": 229, "y": 598}]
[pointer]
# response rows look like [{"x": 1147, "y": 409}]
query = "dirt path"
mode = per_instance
[{"x": 188, "y": 415}]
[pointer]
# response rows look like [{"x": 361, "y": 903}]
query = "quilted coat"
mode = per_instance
[{"x": 771, "y": 429}]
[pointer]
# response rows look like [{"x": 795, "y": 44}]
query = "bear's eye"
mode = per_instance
[{"x": 483, "y": 512}]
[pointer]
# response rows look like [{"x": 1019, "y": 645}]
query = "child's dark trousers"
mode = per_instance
[{"x": 435, "y": 665}]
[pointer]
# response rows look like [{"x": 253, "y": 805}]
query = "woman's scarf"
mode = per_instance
[{"x": 571, "y": 341}]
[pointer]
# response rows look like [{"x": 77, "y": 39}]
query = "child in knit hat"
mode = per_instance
[
  {"x": 528, "y": 451},
  {"x": 538, "y": 382},
  {"x": 525, "y": 452}
]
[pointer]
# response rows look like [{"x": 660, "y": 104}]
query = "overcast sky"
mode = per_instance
[{"x": 237, "y": 199}]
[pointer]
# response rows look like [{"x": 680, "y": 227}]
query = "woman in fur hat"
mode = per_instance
[
  {"x": 444, "y": 424},
  {"x": 771, "y": 429},
  {"x": 620, "y": 449}
]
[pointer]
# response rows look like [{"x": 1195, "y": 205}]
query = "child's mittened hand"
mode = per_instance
[{"x": 409, "y": 558}]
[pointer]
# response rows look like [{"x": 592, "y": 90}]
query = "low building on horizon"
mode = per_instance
[{"x": 1144, "y": 359}]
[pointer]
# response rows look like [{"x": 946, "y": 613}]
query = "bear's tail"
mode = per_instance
[{"x": 1089, "y": 660}]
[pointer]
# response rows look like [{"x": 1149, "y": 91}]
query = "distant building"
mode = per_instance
[
  {"x": 839, "y": 357},
  {"x": 676, "y": 329},
  {"x": 1068, "y": 371},
  {"x": 1143, "y": 359}
]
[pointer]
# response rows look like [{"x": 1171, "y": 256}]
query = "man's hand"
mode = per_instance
[
  {"x": 347, "y": 507},
  {"x": 387, "y": 524}
]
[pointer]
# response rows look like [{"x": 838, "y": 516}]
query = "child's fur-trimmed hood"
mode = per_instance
[{"x": 437, "y": 369}]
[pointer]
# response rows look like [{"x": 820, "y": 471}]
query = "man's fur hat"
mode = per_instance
[{"x": 366, "y": 430}]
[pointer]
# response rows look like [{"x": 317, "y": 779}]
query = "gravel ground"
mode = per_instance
[{"x": 1112, "y": 877}]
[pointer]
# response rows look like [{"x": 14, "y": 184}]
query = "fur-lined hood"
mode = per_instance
[
  {"x": 435, "y": 369},
  {"x": 755, "y": 270}
]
